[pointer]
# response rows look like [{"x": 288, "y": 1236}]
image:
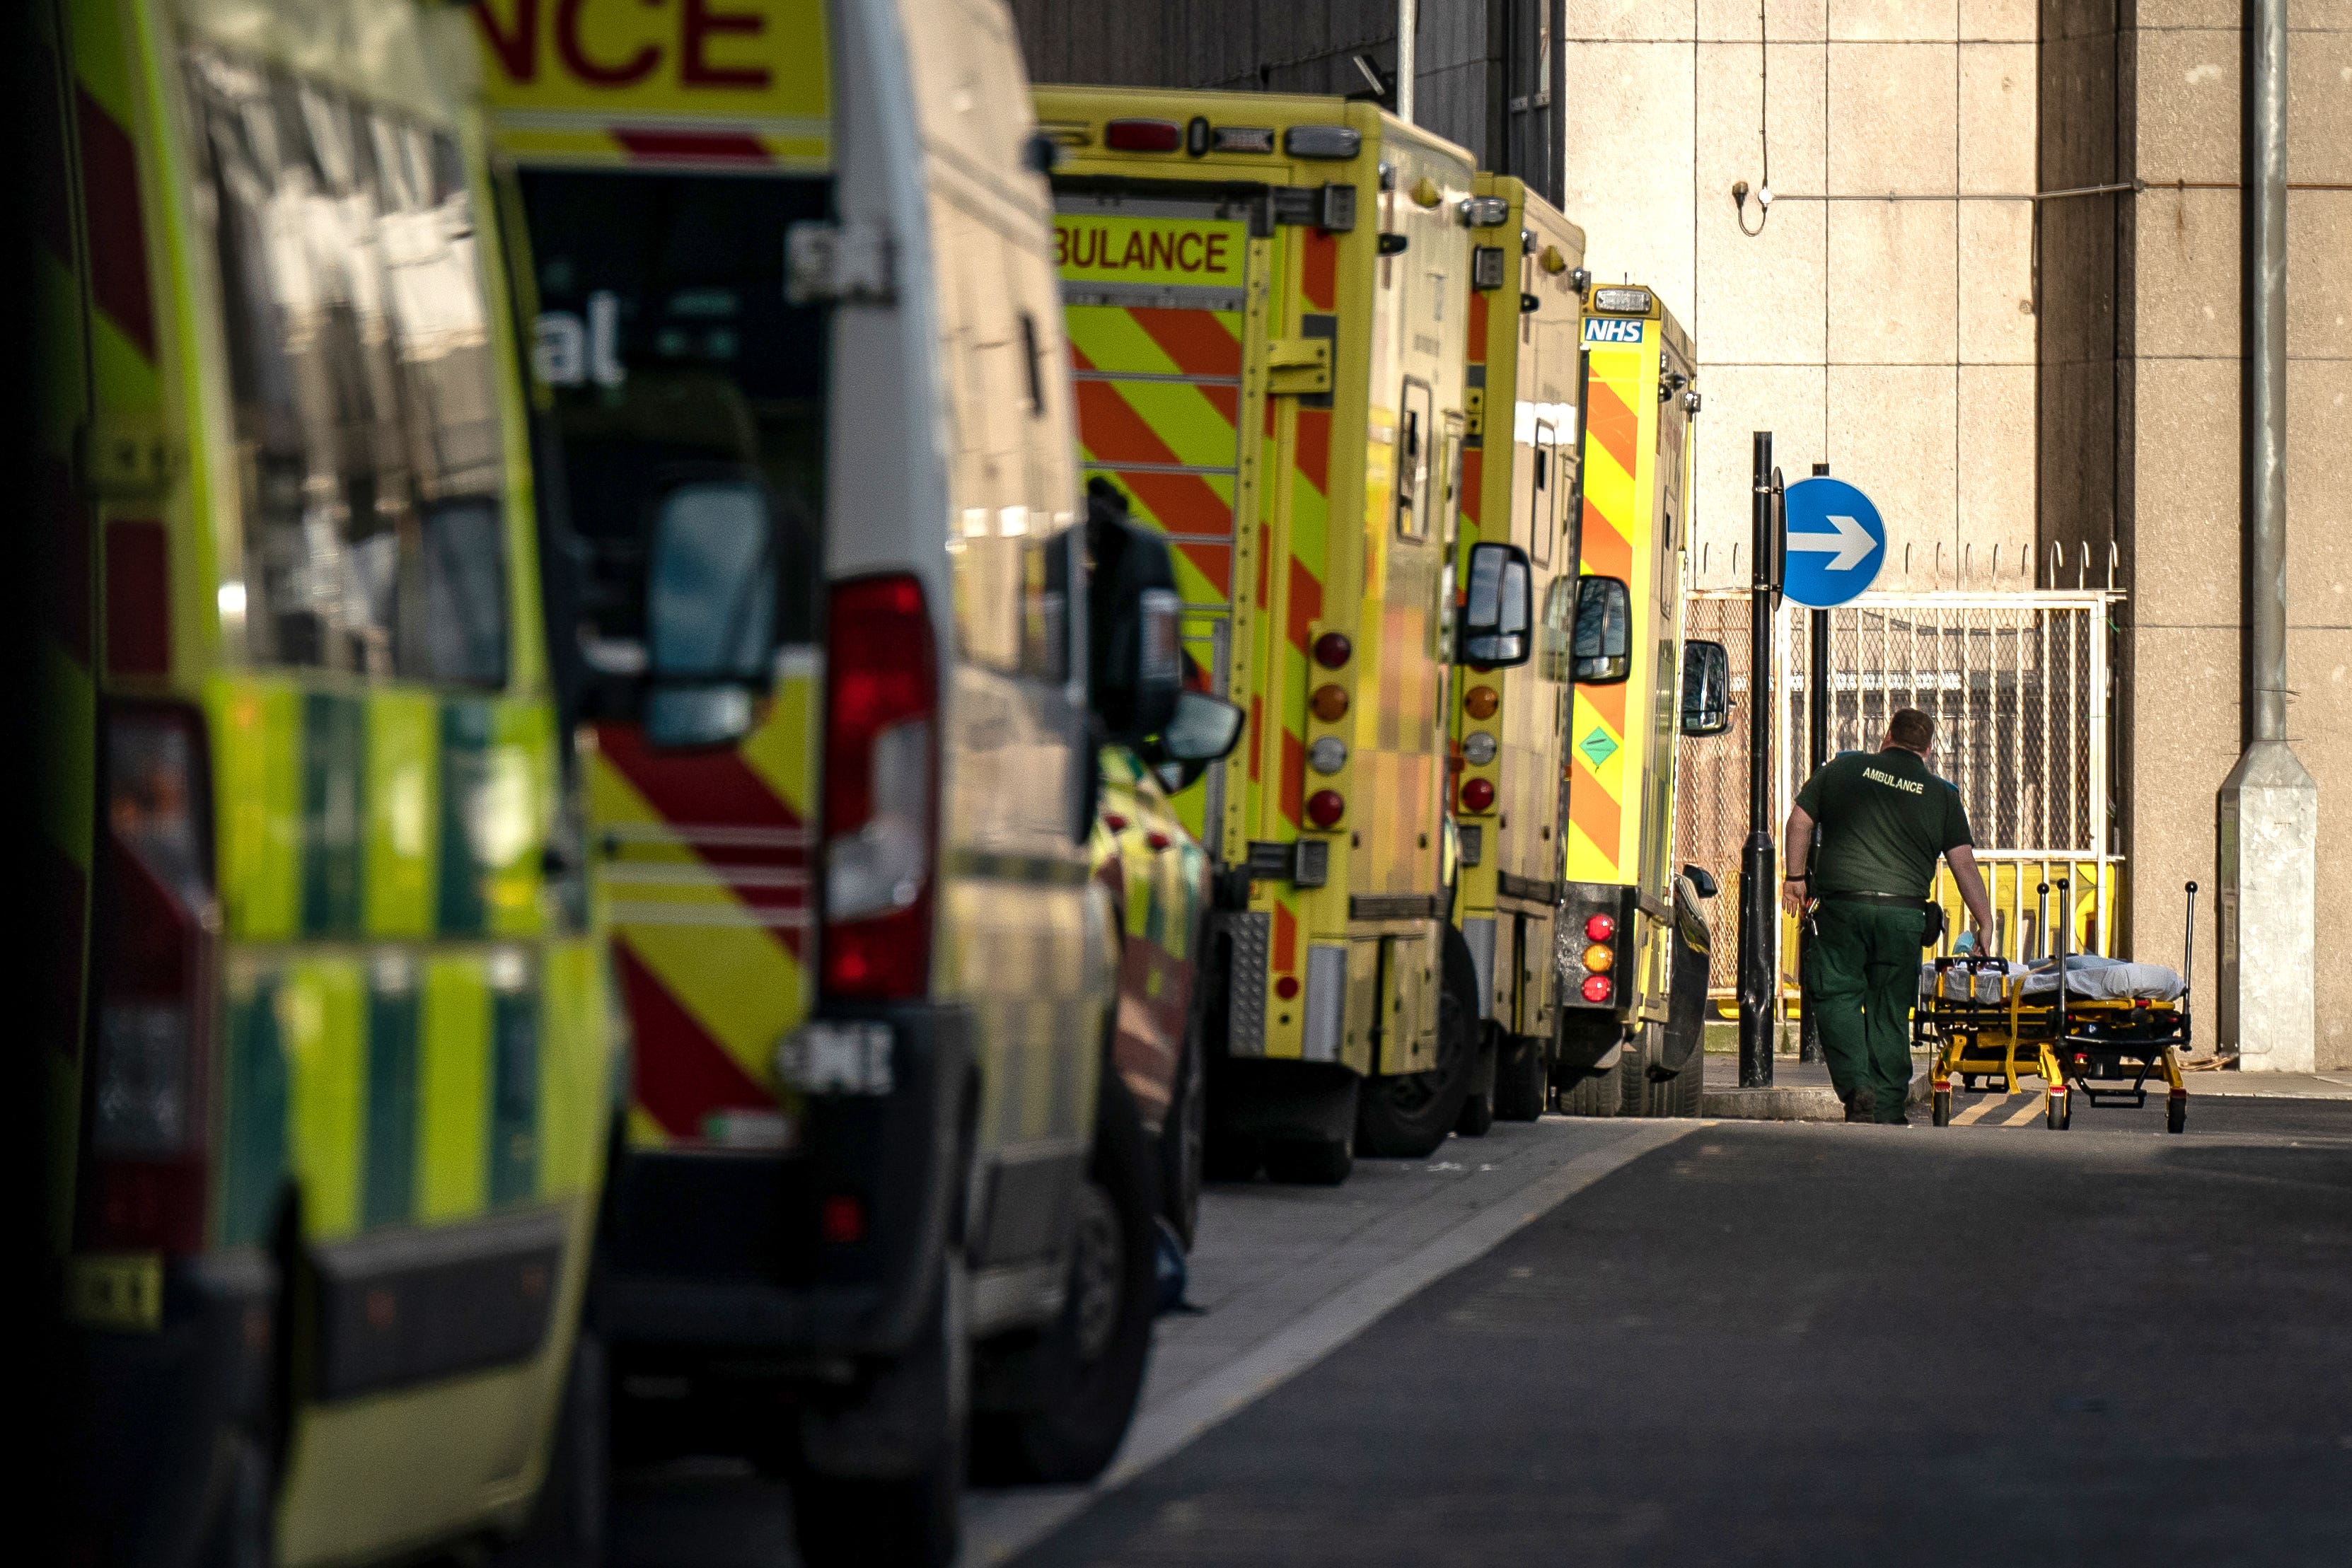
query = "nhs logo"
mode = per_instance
[{"x": 1611, "y": 330}]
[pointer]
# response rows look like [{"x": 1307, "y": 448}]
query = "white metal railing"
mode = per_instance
[{"x": 2018, "y": 683}]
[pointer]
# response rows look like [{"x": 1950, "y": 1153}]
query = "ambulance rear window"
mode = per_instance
[
  {"x": 666, "y": 337},
  {"x": 371, "y": 454}
]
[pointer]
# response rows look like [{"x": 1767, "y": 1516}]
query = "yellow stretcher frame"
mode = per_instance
[{"x": 2016, "y": 1037}]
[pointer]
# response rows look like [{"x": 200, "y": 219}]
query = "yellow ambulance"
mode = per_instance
[
  {"x": 1519, "y": 483},
  {"x": 1628, "y": 924},
  {"x": 796, "y": 318},
  {"x": 1267, "y": 300},
  {"x": 342, "y": 1101}
]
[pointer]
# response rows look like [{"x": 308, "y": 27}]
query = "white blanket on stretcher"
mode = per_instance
[{"x": 2087, "y": 975}]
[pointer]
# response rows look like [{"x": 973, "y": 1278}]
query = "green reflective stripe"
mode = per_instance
[
  {"x": 322, "y": 1018},
  {"x": 512, "y": 825},
  {"x": 258, "y": 764},
  {"x": 575, "y": 1098},
  {"x": 463, "y": 907},
  {"x": 453, "y": 1121},
  {"x": 403, "y": 803},
  {"x": 253, "y": 1154},
  {"x": 514, "y": 1097},
  {"x": 335, "y": 759},
  {"x": 390, "y": 1195}
]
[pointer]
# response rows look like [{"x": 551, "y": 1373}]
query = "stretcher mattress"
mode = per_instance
[{"x": 2088, "y": 976}]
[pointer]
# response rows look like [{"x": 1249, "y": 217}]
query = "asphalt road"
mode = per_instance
[
  {"x": 1817, "y": 1344},
  {"x": 1723, "y": 1343}
]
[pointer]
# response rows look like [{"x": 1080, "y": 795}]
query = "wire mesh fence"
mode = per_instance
[{"x": 2017, "y": 686}]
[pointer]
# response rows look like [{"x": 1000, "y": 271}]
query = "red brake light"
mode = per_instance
[
  {"x": 1324, "y": 808},
  {"x": 1333, "y": 649},
  {"x": 1143, "y": 136},
  {"x": 1599, "y": 928},
  {"x": 881, "y": 770},
  {"x": 156, "y": 927},
  {"x": 1478, "y": 795},
  {"x": 1596, "y": 987}
]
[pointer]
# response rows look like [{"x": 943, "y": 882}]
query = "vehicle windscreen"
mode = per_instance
[{"x": 675, "y": 361}]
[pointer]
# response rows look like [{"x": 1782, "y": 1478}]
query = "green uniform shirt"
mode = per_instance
[{"x": 1881, "y": 821}]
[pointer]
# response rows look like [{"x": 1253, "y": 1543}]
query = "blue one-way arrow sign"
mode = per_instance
[{"x": 1836, "y": 542}]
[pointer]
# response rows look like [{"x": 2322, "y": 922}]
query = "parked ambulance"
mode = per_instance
[
  {"x": 1267, "y": 299},
  {"x": 797, "y": 318},
  {"x": 329, "y": 1033}
]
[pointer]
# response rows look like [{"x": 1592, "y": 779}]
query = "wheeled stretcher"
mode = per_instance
[{"x": 2087, "y": 1027}]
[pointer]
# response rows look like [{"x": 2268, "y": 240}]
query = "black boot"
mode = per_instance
[{"x": 1861, "y": 1105}]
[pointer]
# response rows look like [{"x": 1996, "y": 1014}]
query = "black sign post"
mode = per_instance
[
  {"x": 1817, "y": 698},
  {"x": 1759, "y": 890}
]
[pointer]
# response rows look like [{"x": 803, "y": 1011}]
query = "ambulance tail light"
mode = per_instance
[
  {"x": 881, "y": 791},
  {"x": 1597, "y": 988},
  {"x": 1143, "y": 136},
  {"x": 156, "y": 925}
]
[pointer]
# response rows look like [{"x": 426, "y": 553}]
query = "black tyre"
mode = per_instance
[
  {"x": 1690, "y": 1087},
  {"x": 841, "y": 1513},
  {"x": 1645, "y": 1092},
  {"x": 1519, "y": 1077},
  {"x": 2054, "y": 1110},
  {"x": 568, "y": 1522},
  {"x": 1225, "y": 1156},
  {"x": 1943, "y": 1112},
  {"x": 1407, "y": 1116},
  {"x": 1082, "y": 1380},
  {"x": 1597, "y": 1094},
  {"x": 1184, "y": 1141},
  {"x": 1301, "y": 1163},
  {"x": 243, "y": 1530},
  {"x": 1478, "y": 1106},
  {"x": 2176, "y": 1115}
]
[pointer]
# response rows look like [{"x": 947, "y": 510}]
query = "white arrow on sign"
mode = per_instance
[{"x": 1846, "y": 548}]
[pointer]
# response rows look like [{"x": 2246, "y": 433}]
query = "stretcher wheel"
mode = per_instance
[
  {"x": 2059, "y": 1110},
  {"x": 1943, "y": 1107},
  {"x": 2176, "y": 1115}
]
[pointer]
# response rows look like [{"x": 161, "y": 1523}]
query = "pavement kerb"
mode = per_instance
[{"x": 1801, "y": 1103}]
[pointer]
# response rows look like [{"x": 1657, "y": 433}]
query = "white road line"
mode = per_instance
[
  {"x": 1007, "y": 1526},
  {"x": 1977, "y": 1112}
]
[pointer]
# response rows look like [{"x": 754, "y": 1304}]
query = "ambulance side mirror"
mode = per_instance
[
  {"x": 1603, "y": 644},
  {"x": 711, "y": 609},
  {"x": 1497, "y": 616},
  {"x": 1707, "y": 688}
]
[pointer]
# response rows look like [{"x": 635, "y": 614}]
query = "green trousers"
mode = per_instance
[{"x": 1862, "y": 979}]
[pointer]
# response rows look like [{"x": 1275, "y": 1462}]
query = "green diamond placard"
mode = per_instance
[{"x": 1596, "y": 747}]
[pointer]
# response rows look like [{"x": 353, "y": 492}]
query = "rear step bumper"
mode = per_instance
[{"x": 729, "y": 1253}]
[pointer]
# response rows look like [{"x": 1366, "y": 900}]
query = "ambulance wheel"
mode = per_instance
[
  {"x": 1518, "y": 1078},
  {"x": 1644, "y": 1091},
  {"x": 1225, "y": 1156},
  {"x": 1690, "y": 1087},
  {"x": 1300, "y": 1162},
  {"x": 842, "y": 1516},
  {"x": 1594, "y": 1094},
  {"x": 243, "y": 1530},
  {"x": 1407, "y": 1116},
  {"x": 1478, "y": 1106},
  {"x": 1082, "y": 1380},
  {"x": 2176, "y": 1115},
  {"x": 1943, "y": 1107},
  {"x": 568, "y": 1522}
]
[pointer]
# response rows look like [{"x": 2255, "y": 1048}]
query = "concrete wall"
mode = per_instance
[
  {"x": 2178, "y": 489},
  {"x": 1894, "y": 338}
]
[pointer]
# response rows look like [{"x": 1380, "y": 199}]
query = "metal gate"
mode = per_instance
[{"x": 2019, "y": 685}]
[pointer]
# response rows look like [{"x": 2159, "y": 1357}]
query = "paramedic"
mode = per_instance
[{"x": 1883, "y": 820}]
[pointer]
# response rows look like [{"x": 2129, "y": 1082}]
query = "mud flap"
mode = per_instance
[{"x": 1686, "y": 985}]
